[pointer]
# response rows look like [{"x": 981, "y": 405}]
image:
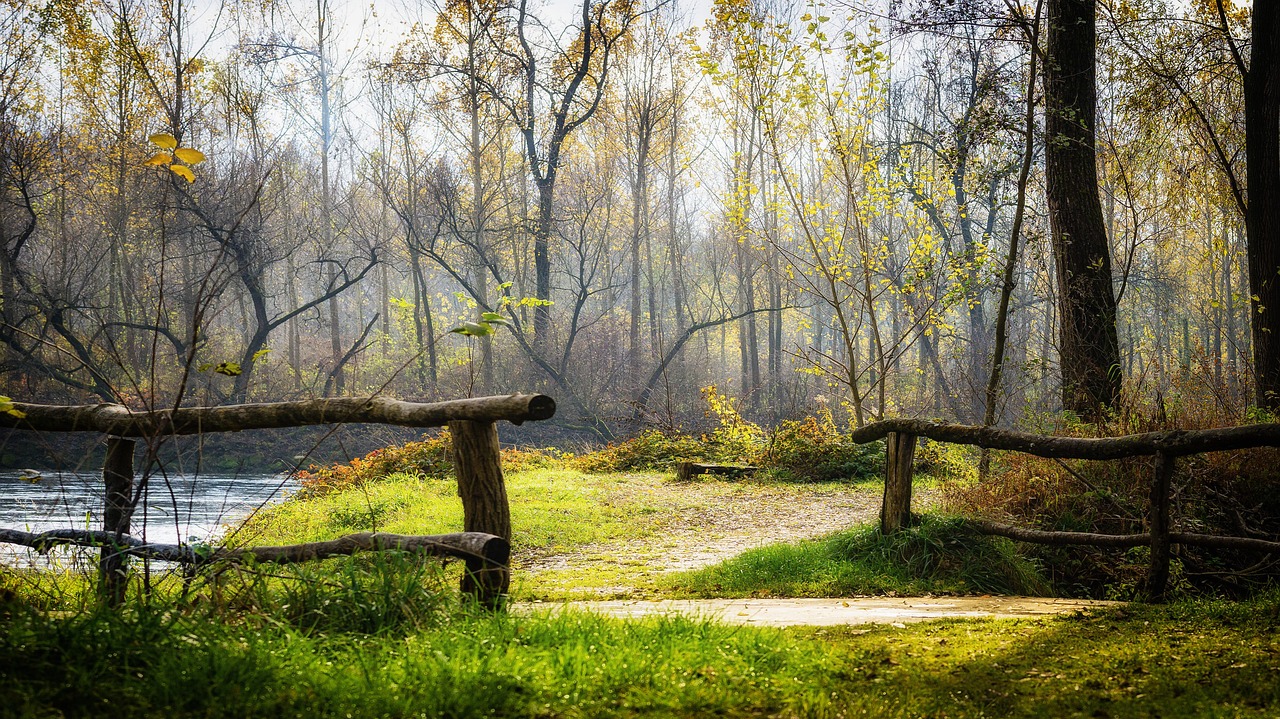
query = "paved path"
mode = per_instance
[{"x": 829, "y": 612}]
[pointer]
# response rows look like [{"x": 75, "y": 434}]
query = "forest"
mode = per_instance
[
  {"x": 969, "y": 211},
  {"x": 869, "y": 358}
]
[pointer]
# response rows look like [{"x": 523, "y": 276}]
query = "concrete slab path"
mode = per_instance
[{"x": 831, "y": 612}]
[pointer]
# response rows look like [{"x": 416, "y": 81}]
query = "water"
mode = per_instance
[{"x": 185, "y": 508}]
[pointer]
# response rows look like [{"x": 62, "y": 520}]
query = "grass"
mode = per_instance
[
  {"x": 382, "y": 635},
  {"x": 618, "y": 528},
  {"x": 551, "y": 509},
  {"x": 938, "y": 556},
  {"x": 1205, "y": 659}
]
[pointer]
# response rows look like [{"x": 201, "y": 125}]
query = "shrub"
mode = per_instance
[
  {"x": 942, "y": 460},
  {"x": 814, "y": 450},
  {"x": 649, "y": 450},
  {"x": 429, "y": 458}
]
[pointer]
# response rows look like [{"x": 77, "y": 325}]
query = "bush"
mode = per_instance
[
  {"x": 943, "y": 460},
  {"x": 429, "y": 458},
  {"x": 814, "y": 450},
  {"x": 649, "y": 450}
]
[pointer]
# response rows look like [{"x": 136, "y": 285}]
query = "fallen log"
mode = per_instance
[
  {"x": 120, "y": 421},
  {"x": 686, "y": 470}
]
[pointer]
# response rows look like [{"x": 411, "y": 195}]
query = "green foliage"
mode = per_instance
[
  {"x": 649, "y": 450},
  {"x": 372, "y": 594},
  {"x": 814, "y": 450},
  {"x": 487, "y": 325},
  {"x": 6, "y": 406},
  {"x": 945, "y": 461},
  {"x": 937, "y": 556}
]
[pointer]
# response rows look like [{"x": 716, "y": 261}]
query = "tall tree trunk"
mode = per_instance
[
  {"x": 1262, "y": 216},
  {"x": 1088, "y": 345}
]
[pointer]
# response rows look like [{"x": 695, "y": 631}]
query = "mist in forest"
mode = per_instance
[{"x": 876, "y": 209}]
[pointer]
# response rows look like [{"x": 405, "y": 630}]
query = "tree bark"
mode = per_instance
[
  {"x": 1262, "y": 214},
  {"x": 895, "y": 513},
  {"x": 1158, "y": 524},
  {"x": 476, "y": 457},
  {"x": 1089, "y": 347},
  {"x": 120, "y": 421},
  {"x": 1172, "y": 442},
  {"x": 477, "y": 461}
]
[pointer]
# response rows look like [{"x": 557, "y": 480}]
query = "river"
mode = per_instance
[{"x": 183, "y": 508}]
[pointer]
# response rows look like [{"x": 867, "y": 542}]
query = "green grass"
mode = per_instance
[
  {"x": 1186, "y": 660},
  {"x": 550, "y": 510},
  {"x": 938, "y": 556}
]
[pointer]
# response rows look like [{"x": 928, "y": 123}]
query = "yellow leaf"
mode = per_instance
[
  {"x": 189, "y": 155},
  {"x": 160, "y": 158},
  {"x": 164, "y": 139},
  {"x": 183, "y": 172}
]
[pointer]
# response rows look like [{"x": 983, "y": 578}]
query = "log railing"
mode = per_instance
[
  {"x": 1166, "y": 446},
  {"x": 484, "y": 543}
]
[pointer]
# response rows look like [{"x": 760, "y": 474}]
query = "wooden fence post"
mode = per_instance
[
  {"x": 895, "y": 513},
  {"x": 1158, "y": 521},
  {"x": 477, "y": 462},
  {"x": 117, "y": 512}
]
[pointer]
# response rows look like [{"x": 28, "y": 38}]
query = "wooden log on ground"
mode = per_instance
[
  {"x": 686, "y": 471},
  {"x": 478, "y": 464},
  {"x": 1173, "y": 442},
  {"x": 117, "y": 511},
  {"x": 895, "y": 512},
  {"x": 1158, "y": 525},
  {"x": 120, "y": 421},
  {"x": 485, "y": 550}
]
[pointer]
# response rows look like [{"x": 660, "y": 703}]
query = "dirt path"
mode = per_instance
[{"x": 703, "y": 523}]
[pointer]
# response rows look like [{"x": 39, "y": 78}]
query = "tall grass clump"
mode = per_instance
[{"x": 937, "y": 556}]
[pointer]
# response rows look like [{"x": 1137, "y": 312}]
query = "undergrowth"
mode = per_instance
[
  {"x": 812, "y": 449},
  {"x": 936, "y": 556},
  {"x": 1233, "y": 493}
]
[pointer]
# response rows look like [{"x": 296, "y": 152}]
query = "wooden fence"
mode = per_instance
[
  {"x": 900, "y": 439},
  {"x": 484, "y": 545}
]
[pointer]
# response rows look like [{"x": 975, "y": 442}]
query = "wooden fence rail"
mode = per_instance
[
  {"x": 484, "y": 544},
  {"x": 900, "y": 441}
]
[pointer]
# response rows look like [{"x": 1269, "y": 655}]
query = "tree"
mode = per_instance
[{"x": 1088, "y": 345}]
